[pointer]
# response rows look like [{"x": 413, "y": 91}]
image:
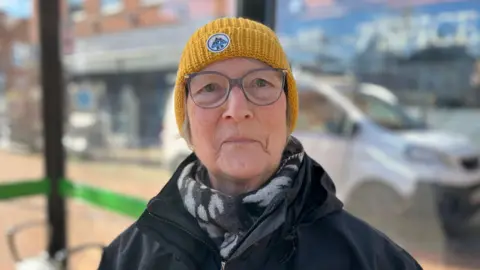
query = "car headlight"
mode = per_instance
[
  {"x": 80, "y": 144},
  {"x": 426, "y": 156},
  {"x": 75, "y": 144}
]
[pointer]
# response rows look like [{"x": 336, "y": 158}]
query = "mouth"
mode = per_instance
[{"x": 239, "y": 140}]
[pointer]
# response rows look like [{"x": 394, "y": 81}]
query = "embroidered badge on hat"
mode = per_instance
[{"x": 218, "y": 42}]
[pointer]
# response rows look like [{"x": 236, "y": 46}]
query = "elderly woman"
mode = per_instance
[{"x": 248, "y": 197}]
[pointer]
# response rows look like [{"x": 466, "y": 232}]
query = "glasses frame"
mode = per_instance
[{"x": 233, "y": 82}]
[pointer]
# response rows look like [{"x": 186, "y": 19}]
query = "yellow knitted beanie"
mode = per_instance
[{"x": 240, "y": 38}]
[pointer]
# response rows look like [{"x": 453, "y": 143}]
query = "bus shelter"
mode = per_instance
[{"x": 55, "y": 184}]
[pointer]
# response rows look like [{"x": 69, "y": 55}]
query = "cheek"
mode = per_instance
[
  {"x": 202, "y": 125},
  {"x": 274, "y": 120},
  {"x": 278, "y": 114}
]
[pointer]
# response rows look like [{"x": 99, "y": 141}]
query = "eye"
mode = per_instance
[
  {"x": 209, "y": 88},
  {"x": 260, "y": 82}
]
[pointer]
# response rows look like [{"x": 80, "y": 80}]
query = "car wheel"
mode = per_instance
[
  {"x": 377, "y": 204},
  {"x": 85, "y": 156},
  {"x": 453, "y": 220}
]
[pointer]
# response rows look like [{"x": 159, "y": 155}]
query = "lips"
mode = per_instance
[{"x": 239, "y": 140}]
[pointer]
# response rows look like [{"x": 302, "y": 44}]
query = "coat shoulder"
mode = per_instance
[
  {"x": 364, "y": 246},
  {"x": 133, "y": 249}
]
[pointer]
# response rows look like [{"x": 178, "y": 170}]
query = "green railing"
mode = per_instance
[{"x": 115, "y": 202}]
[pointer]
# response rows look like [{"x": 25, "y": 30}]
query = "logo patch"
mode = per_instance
[{"x": 218, "y": 42}]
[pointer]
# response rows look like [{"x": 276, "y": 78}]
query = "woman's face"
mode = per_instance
[{"x": 239, "y": 141}]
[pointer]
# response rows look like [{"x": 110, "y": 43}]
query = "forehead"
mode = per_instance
[{"x": 235, "y": 66}]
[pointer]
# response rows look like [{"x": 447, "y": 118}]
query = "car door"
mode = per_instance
[{"x": 321, "y": 129}]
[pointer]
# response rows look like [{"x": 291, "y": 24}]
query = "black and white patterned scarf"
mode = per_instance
[{"x": 226, "y": 218}]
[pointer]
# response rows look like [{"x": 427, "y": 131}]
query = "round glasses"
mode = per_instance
[{"x": 210, "y": 89}]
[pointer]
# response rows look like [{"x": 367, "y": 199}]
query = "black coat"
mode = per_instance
[{"x": 309, "y": 230}]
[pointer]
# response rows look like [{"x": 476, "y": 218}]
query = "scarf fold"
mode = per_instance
[{"x": 227, "y": 219}]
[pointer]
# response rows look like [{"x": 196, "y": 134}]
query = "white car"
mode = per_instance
[
  {"x": 382, "y": 160},
  {"x": 375, "y": 152}
]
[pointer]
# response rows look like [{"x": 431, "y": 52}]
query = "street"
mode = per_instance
[{"x": 88, "y": 224}]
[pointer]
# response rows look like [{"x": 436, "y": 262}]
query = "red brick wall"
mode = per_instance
[
  {"x": 133, "y": 15},
  {"x": 10, "y": 33}
]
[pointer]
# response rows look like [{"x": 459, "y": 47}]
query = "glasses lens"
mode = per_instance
[
  {"x": 264, "y": 87},
  {"x": 208, "y": 90}
]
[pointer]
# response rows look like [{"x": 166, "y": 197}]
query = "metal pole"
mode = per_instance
[
  {"x": 53, "y": 99},
  {"x": 258, "y": 10},
  {"x": 270, "y": 13}
]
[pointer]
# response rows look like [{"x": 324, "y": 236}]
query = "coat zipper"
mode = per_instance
[
  {"x": 223, "y": 264},
  {"x": 262, "y": 218},
  {"x": 273, "y": 208}
]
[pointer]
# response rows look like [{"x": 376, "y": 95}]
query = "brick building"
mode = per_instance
[
  {"x": 97, "y": 17},
  {"x": 130, "y": 44},
  {"x": 15, "y": 56},
  {"x": 17, "y": 76}
]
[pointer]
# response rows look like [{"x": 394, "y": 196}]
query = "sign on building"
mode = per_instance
[
  {"x": 83, "y": 98},
  {"x": 21, "y": 54}
]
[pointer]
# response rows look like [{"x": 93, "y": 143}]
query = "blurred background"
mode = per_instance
[{"x": 389, "y": 105}]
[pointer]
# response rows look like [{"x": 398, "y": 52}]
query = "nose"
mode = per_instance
[{"x": 237, "y": 107}]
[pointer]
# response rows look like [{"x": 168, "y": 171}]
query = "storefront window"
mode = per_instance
[
  {"x": 111, "y": 6},
  {"x": 76, "y": 9},
  {"x": 417, "y": 58}
]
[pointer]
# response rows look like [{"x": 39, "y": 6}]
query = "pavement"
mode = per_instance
[{"x": 86, "y": 224}]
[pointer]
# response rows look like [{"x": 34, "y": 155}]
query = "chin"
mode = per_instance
[
  {"x": 243, "y": 162},
  {"x": 241, "y": 174},
  {"x": 242, "y": 169}
]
